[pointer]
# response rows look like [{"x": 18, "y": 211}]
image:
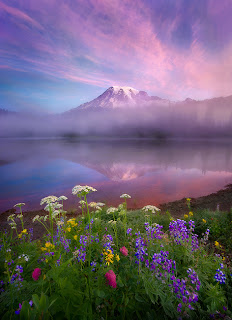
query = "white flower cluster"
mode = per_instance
[
  {"x": 149, "y": 208},
  {"x": 12, "y": 222},
  {"x": 24, "y": 256},
  {"x": 125, "y": 196},
  {"x": 48, "y": 200},
  {"x": 111, "y": 210},
  {"x": 93, "y": 204},
  {"x": 40, "y": 218},
  {"x": 82, "y": 190},
  {"x": 19, "y": 216},
  {"x": 11, "y": 217},
  {"x": 62, "y": 198},
  {"x": 20, "y": 204}
]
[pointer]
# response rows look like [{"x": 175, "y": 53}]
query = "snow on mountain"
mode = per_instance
[{"x": 119, "y": 97}]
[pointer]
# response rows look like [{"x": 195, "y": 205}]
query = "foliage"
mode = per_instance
[{"x": 109, "y": 263}]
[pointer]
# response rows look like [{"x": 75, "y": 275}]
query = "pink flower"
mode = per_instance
[
  {"x": 111, "y": 277},
  {"x": 124, "y": 251},
  {"x": 36, "y": 273}
]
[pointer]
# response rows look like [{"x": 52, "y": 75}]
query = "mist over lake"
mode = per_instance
[{"x": 151, "y": 172}]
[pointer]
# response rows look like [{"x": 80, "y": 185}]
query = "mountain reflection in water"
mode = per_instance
[{"x": 151, "y": 172}]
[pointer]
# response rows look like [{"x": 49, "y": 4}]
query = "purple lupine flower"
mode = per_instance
[
  {"x": 141, "y": 248},
  {"x": 93, "y": 264},
  {"x": 153, "y": 232},
  {"x": 128, "y": 231},
  {"x": 220, "y": 276}
]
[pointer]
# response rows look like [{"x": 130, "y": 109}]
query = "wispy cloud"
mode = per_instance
[{"x": 168, "y": 48}]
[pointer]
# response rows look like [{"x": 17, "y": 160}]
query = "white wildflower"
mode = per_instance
[
  {"x": 61, "y": 198},
  {"x": 93, "y": 204},
  {"x": 82, "y": 202},
  {"x": 98, "y": 208},
  {"x": 114, "y": 222},
  {"x": 55, "y": 214},
  {"x": 11, "y": 217},
  {"x": 110, "y": 221},
  {"x": 8, "y": 250},
  {"x": 48, "y": 199},
  {"x": 111, "y": 210},
  {"x": 100, "y": 204},
  {"x": 125, "y": 196},
  {"x": 19, "y": 216},
  {"x": 82, "y": 190},
  {"x": 20, "y": 204},
  {"x": 24, "y": 256},
  {"x": 12, "y": 224},
  {"x": 152, "y": 209},
  {"x": 60, "y": 223},
  {"x": 36, "y": 218}
]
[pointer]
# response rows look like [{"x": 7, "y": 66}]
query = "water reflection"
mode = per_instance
[{"x": 151, "y": 172}]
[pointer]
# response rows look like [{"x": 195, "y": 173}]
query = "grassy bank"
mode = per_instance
[{"x": 109, "y": 263}]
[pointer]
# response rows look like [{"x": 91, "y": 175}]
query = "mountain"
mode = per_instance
[{"x": 118, "y": 97}]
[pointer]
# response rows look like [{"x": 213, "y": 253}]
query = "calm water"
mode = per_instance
[{"x": 152, "y": 173}]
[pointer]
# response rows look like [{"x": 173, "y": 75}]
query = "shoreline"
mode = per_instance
[{"x": 220, "y": 200}]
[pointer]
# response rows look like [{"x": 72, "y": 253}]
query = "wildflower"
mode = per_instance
[
  {"x": 190, "y": 213},
  {"x": 93, "y": 204},
  {"x": 152, "y": 209},
  {"x": 203, "y": 220},
  {"x": 82, "y": 190},
  {"x": 24, "y": 231},
  {"x": 19, "y": 216},
  {"x": 128, "y": 231},
  {"x": 108, "y": 256},
  {"x": 36, "y": 218},
  {"x": 117, "y": 257},
  {"x": 216, "y": 243},
  {"x": 185, "y": 216},
  {"x": 124, "y": 251},
  {"x": 61, "y": 198},
  {"x": 75, "y": 237},
  {"x": 36, "y": 273},
  {"x": 24, "y": 256},
  {"x": 220, "y": 276},
  {"x": 125, "y": 196},
  {"x": 48, "y": 200},
  {"x": 111, "y": 279},
  {"x": 100, "y": 204},
  {"x": 19, "y": 204},
  {"x": 68, "y": 229},
  {"x": 111, "y": 210},
  {"x": 188, "y": 199}
]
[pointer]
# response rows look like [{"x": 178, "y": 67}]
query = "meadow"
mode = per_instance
[{"x": 112, "y": 263}]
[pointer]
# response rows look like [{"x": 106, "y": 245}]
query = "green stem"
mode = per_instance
[{"x": 87, "y": 207}]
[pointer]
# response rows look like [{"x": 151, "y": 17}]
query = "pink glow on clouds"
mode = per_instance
[{"x": 120, "y": 36}]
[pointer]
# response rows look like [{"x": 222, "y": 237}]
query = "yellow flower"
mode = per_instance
[
  {"x": 117, "y": 257},
  {"x": 216, "y": 243},
  {"x": 68, "y": 229},
  {"x": 75, "y": 237},
  {"x": 108, "y": 256},
  {"x": 190, "y": 214},
  {"x": 223, "y": 258},
  {"x": 44, "y": 277},
  {"x": 24, "y": 231},
  {"x": 20, "y": 236},
  {"x": 185, "y": 216},
  {"x": 188, "y": 199},
  {"x": 46, "y": 260},
  {"x": 204, "y": 220}
]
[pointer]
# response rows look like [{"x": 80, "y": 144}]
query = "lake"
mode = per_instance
[{"x": 151, "y": 172}]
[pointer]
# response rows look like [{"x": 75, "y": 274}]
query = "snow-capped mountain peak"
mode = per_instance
[{"x": 116, "y": 97}]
